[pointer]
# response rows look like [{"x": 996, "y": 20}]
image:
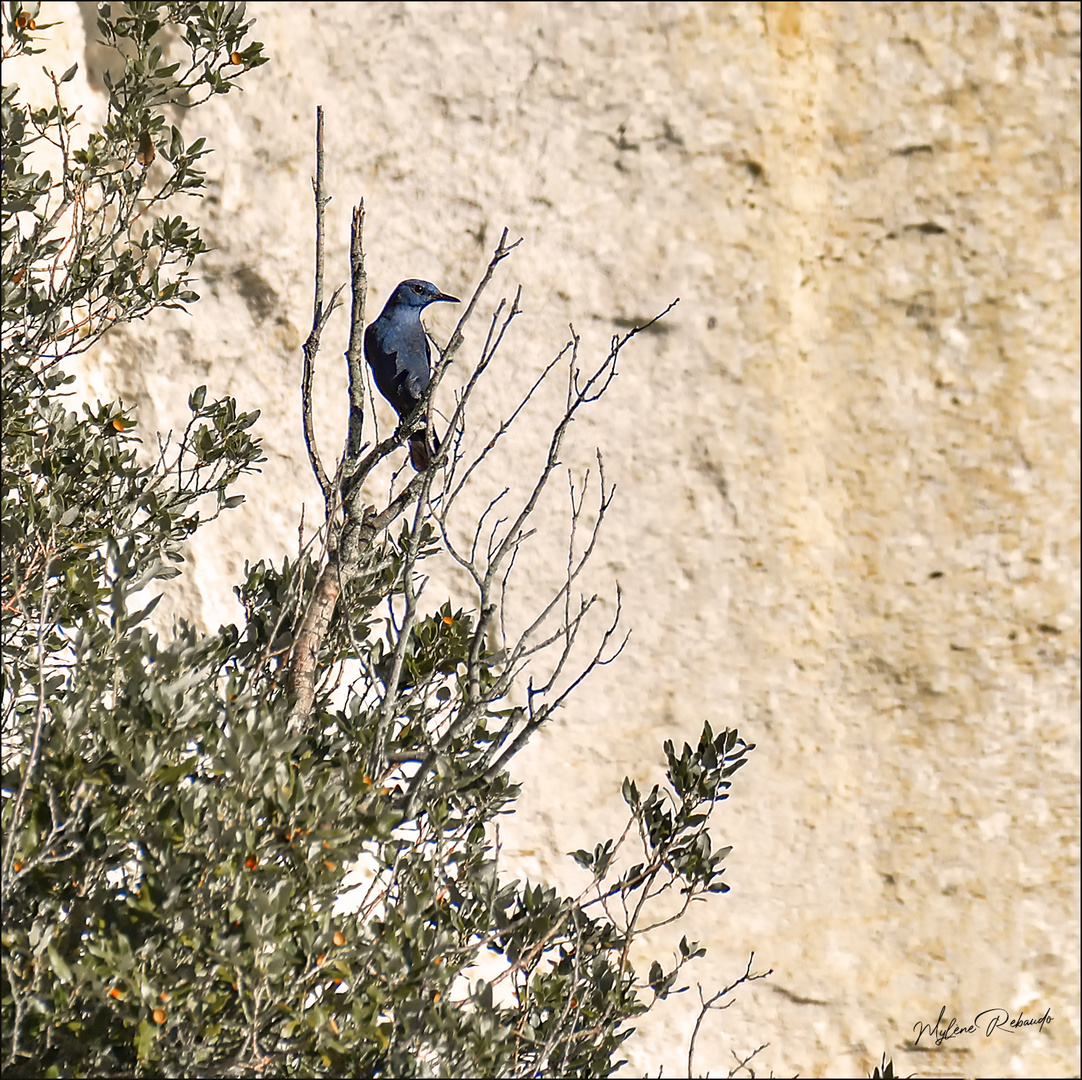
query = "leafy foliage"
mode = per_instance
[
  {"x": 197, "y": 881},
  {"x": 76, "y": 254}
]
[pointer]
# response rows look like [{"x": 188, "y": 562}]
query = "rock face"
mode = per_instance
[{"x": 848, "y": 462}]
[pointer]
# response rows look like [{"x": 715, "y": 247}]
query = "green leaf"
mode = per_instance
[
  {"x": 144, "y": 1041},
  {"x": 62, "y": 970}
]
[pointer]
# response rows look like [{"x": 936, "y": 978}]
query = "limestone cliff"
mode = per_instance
[{"x": 848, "y": 463}]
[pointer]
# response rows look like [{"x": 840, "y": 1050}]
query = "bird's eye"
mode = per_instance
[{"x": 418, "y": 289}]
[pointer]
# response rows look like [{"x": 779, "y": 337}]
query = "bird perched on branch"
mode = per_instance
[{"x": 397, "y": 351}]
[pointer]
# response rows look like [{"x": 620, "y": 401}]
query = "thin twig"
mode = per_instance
[
  {"x": 319, "y": 321},
  {"x": 712, "y": 1003}
]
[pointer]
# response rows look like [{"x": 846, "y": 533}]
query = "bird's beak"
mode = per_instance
[{"x": 448, "y": 298}]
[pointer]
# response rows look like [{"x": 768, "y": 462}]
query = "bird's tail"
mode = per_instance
[{"x": 423, "y": 448}]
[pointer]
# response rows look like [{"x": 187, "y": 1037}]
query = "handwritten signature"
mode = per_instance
[{"x": 990, "y": 1020}]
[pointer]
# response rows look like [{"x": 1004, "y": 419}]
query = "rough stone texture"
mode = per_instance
[{"x": 848, "y": 518}]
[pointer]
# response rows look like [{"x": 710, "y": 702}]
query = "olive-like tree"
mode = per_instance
[{"x": 180, "y": 815}]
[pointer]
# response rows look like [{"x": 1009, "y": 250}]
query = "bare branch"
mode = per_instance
[
  {"x": 33, "y": 753},
  {"x": 712, "y": 1003},
  {"x": 490, "y": 575},
  {"x": 355, "y": 353},
  {"x": 742, "y": 1062},
  {"x": 304, "y": 659},
  {"x": 390, "y": 694},
  {"x": 319, "y": 321},
  {"x": 503, "y": 249}
]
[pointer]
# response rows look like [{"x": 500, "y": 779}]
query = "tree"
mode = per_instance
[{"x": 180, "y": 815}]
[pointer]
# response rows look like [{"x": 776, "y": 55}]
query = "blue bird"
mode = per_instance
[{"x": 398, "y": 353}]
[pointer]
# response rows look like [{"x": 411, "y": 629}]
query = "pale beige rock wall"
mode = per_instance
[{"x": 848, "y": 518}]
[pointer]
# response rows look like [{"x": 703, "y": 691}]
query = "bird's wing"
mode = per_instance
[
  {"x": 415, "y": 374},
  {"x": 384, "y": 365}
]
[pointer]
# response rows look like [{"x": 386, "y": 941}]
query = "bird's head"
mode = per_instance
[{"x": 415, "y": 293}]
